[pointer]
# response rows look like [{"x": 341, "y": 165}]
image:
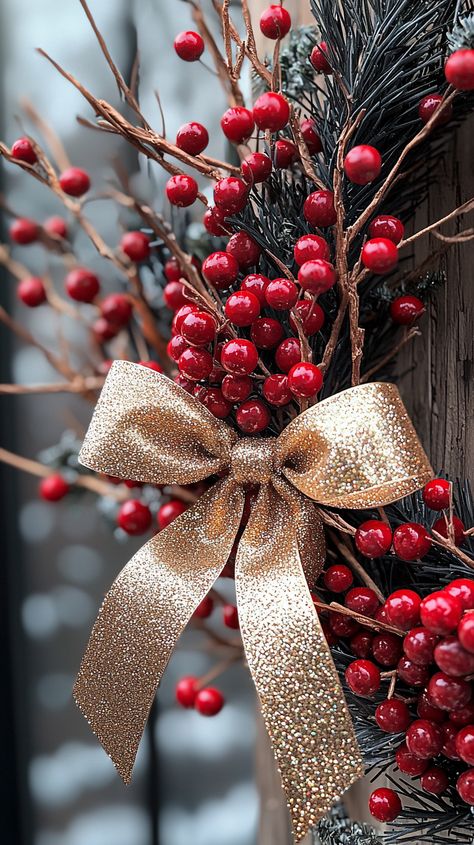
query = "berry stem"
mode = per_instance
[
  {"x": 357, "y": 567},
  {"x": 218, "y": 670}
]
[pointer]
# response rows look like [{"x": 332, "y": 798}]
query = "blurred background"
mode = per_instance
[{"x": 194, "y": 777}]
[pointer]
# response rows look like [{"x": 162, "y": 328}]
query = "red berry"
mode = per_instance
[
  {"x": 24, "y": 231},
  {"x": 186, "y": 690},
  {"x": 104, "y": 330},
  {"x": 386, "y": 226},
  {"x": 463, "y": 716},
  {"x": 317, "y": 276},
  {"x": 185, "y": 383},
  {"x": 440, "y": 612},
  {"x": 281, "y": 294},
  {"x": 169, "y": 511},
  {"x": 209, "y": 701},
  {"x": 237, "y": 124},
  {"x": 459, "y": 70},
  {"x": 275, "y": 22},
  {"x": 271, "y": 111},
  {"x": 411, "y": 541},
  {"x": 385, "y": 804},
  {"x": 245, "y": 250},
  {"x": 426, "y": 710},
  {"x": 284, "y": 153},
  {"x": 220, "y": 269},
  {"x": 31, "y": 291},
  {"x": 436, "y": 494},
  {"x": 23, "y": 150},
  {"x": 434, "y": 780},
  {"x": 230, "y": 616},
  {"x": 195, "y": 363},
  {"x": 151, "y": 365},
  {"x": 116, "y": 308},
  {"x": 53, "y": 488},
  {"x": 192, "y": 138},
  {"x": 173, "y": 295},
  {"x": 411, "y": 673},
  {"x": 253, "y": 416},
  {"x": 338, "y": 578},
  {"x": 361, "y": 644},
  {"x": 429, "y": 105},
  {"x": 386, "y": 648},
  {"x": 172, "y": 270},
  {"x": 199, "y": 328},
  {"x": 311, "y": 315},
  {"x": 362, "y": 164},
  {"x": 453, "y": 659},
  {"x": 136, "y": 245},
  {"x": 331, "y": 638},
  {"x": 448, "y": 693},
  {"x": 379, "y": 255},
  {"x": 239, "y": 356},
  {"x": 392, "y": 716},
  {"x": 309, "y": 248},
  {"x": 276, "y": 391},
  {"x": 466, "y": 632},
  {"x": 373, "y": 538},
  {"x": 419, "y": 645},
  {"x": 74, "y": 181},
  {"x": 266, "y": 332},
  {"x": 319, "y": 209},
  {"x": 189, "y": 46},
  {"x": 236, "y": 388},
  {"x": 56, "y": 226},
  {"x": 242, "y": 308},
  {"x": 456, "y": 527},
  {"x": 204, "y": 608},
  {"x": 214, "y": 222},
  {"x": 409, "y": 763},
  {"x": 231, "y": 194},
  {"x": 256, "y": 283},
  {"x": 134, "y": 517},
  {"x": 465, "y": 744},
  {"x": 215, "y": 402},
  {"x": 406, "y": 309},
  {"x": 318, "y": 58},
  {"x": 310, "y": 136},
  {"x": 256, "y": 167},
  {"x": 403, "y": 609},
  {"x": 362, "y": 600},
  {"x": 181, "y": 314},
  {"x": 424, "y": 739},
  {"x": 342, "y": 625},
  {"x": 288, "y": 354},
  {"x": 181, "y": 190},
  {"x": 363, "y": 677},
  {"x": 305, "y": 380},
  {"x": 82, "y": 285},
  {"x": 465, "y": 786},
  {"x": 449, "y": 733}
]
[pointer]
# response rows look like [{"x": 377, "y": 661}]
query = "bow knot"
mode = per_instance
[{"x": 252, "y": 460}]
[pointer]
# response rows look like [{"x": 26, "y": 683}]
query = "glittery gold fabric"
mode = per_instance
[{"x": 356, "y": 449}]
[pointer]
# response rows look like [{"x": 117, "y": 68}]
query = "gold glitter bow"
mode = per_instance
[{"x": 357, "y": 449}]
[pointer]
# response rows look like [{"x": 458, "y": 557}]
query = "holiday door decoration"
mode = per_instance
[{"x": 298, "y": 290}]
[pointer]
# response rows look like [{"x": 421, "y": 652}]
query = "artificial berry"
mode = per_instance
[
  {"x": 31, "y": 291},
  {"x": 199, "y": 328},
  {"x": 185, "y": 383},
  {"x": 419, "y": 645},
  {"x": 424, "y": 739},
  {"x": 386, "y": 226},
  {"x": 310, "y": 136},
  {"x": 173, "y": 295},
  {"x": 116, "y": 308},
  {"x": 56, "y": 227},
  {"x": 271, "y": 111},
  {"x": 169, "y": 511},
  {"x": 363, "y": 677},
  {"x": 409, "y": 763},
  {"x": 82, "y": 285},
  {"x": 392, "y": 716},
  {"x": 266, "y": 332},
  {"x": 195, "y": 364},
  {"x": 381, "y": 615},
  {"x": 404, "y": 310},
  {"x": 276, "y": 391},
  {"x": 275, "y": 22},
  {"x": 456, "y": 527},
  {"x": 386, "y": 648},
  {"x": 309, "y": 248},
  {"x": 245, "y": 250},
  {"x": 136, "y": 245},
  {"x": 411, "y": 541},
  {"x": 231, "y": 194},
  {"x": 362, "y": 600},
  {"x": 236, "y": 388},
  {"x": 342, "y": 625},
  {"x": 311, "y": 315},
  {"x": 403, "y": 609},
  {"x": 437, "y": 493},
  {"x": 104, "y": 330},
  {"x": 186, "y": 691},
  {"x": 134, "y": 517},
  {"x": 74, "y": 181},
  {"x": 449, "y": 733},
  {"x": 252, "y": 416},
  {"x": 440, "y": 612},
  {"x": 465, "y": 744},
  {"x": 426, "y": 710},
  {"x": 204, "y": 608},
  {"x": 466, "y": 632},
  {"x": 385, "y": 804},
  {"x": 361, "y": 644},
  {"x": 411, "y": 673},
  {"x": 281, "y": 294},
  {"x": 318, "y": 58},
  {"x": 181, "y": 315},
  {"x": 150, "y": 365},
  {"x": 338, "y": 578},
  {"x": 256, "y": 283},
  {"x": 284, "y": 153},
  {"x": 317, "y": 276},
  {"x": 189, "y": 46},
  {"x": 215, "y": 402},
  {"x": 172, "y": 270},
  {"x": 242, "y": 308},
  {"x": 305, "y": 380},
  {"x": 192, "y": 138},
  {"x": 448, "y": 693},
  {"x": 256, "y": 167},
  {"x": 209, "y": 701},
  {"x": 319, "y": 209},
  {"x": 373, "y": 538},
  {"x": 362, "y": 164},
  {"x": 434, "y": 780},
  {"x": 23, "y": 150},
  {"x": 453, "y": 659},
  {"x": 181, "y": 190},
  {"x": 465, "y": 786},
  {"x": 287, "y": 354},
  {"x": 429, "y": 105},
  {"x": 230, "y": 616},
  {"x": 459, "y": 70},
  {"x": 214, "y": 222},
  {"x": 379, "y": 255},
  {"x": 463, "y": 716},
  {"x": 331, "y": 638},
  {"x": 220, "y": 269},
  {"x": 237, "y": 124},
  {"x": 239, "y": 356},
  {"x": 24, "y": 231},
  {"x": 53, "y": 488}
]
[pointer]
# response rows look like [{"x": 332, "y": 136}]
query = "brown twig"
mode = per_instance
[
  {"x": 407, "y": 336},
  {"x": 356, "y": 566},
  {"x": 79, "y": 385},
  {"x": 457, "y": 212}
]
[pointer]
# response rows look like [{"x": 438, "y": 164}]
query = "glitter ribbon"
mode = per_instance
[{"x": 357, "y": 449}]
